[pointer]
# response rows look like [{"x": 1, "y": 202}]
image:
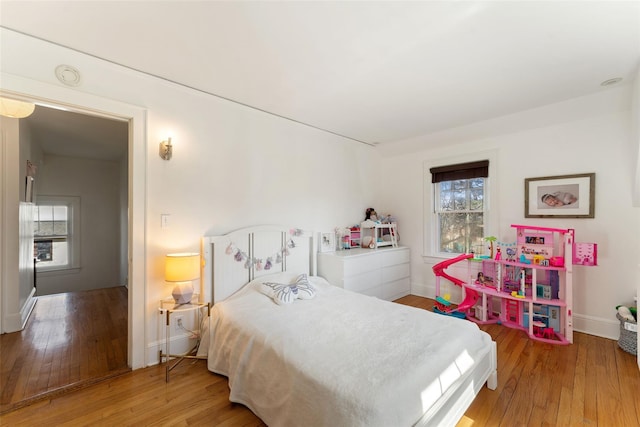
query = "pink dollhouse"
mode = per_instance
[{"x": 532, "y": 291}]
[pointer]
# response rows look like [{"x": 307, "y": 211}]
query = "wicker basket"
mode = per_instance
[{"x": 628, "y": 339}]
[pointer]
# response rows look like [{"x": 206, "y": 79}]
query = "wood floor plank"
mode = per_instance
[
  {"x": 578, "y": 388},
  {"x": 68, "y": 339},
  {"x": 629, "y": 387}
]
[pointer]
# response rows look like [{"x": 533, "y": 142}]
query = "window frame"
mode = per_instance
[
  {"x": 72, "y": 203},
  {"x": 431, "y": 246}
]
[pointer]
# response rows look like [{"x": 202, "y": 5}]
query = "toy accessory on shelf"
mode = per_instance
[
  {"x": 490, "y": 239},
  {"x": 443, "y": 306}
]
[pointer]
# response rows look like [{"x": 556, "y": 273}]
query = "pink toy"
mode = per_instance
[
  {"x": 557, "y": 261},
  {"x": 533, "y": 283}
]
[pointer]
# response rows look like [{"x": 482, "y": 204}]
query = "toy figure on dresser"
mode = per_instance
[{"x": 371, "y": 215}]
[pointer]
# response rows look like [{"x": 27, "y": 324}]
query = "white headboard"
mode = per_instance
[{"x": 222, "y": 274}]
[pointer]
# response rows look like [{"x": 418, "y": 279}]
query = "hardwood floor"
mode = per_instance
[
  {"x": 71, "y": 340},
  {"x": 591, "y": 382}
]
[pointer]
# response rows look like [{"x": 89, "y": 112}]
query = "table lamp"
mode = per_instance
[{"x": 181, "y": 269}]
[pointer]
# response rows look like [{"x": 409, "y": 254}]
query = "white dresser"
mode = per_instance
[{"x": 383, "y": 272}]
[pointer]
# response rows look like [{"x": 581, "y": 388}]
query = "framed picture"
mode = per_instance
[
  {"x": 566, "y": 196},
  {"x": 327, "y": 242}
]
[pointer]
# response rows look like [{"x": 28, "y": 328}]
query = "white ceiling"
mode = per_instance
[
  {"x": 372, "y": 71},
  {"x": 72, "y": 134}
]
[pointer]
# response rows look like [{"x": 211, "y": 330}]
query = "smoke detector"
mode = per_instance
[{"x": 68, "y": 75}]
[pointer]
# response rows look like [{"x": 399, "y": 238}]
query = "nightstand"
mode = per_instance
[{"x": 169, "y": 308}]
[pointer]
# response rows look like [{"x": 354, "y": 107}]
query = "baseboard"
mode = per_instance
[
  {"x": 16, "y": 321},
  {"x": 605, "y": 328},
  {"x": 597, "y": 326},
  {"x": 423, "y": 290},
  {"x": 180, "y": 344}
]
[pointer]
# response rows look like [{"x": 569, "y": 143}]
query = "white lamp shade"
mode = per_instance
[
  {"x": 182, "y": 267},
  {"x": 15, "y": 109}
]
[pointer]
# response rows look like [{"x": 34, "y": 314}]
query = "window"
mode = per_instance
[
  {"x": 56, "y": 233},
  {"x": 459, "y": 207}
]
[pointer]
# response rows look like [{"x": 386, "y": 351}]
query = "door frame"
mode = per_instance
[{"x": 73, "y": 100}]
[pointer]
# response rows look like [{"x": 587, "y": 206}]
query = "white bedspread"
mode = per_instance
[{"x": 340, "y": 359}]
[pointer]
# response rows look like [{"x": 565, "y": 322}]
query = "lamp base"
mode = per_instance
[{"x": 182, "y": 293}]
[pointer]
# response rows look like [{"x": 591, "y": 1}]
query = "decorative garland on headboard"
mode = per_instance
[{"x": 267, "y": 262}]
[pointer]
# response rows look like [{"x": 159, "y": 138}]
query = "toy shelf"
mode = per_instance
[
  {"x": 527, "y": 265},
  {"x": 527, "y": 299}
]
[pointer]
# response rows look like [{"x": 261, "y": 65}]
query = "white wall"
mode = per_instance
[
  {"x": 97, "y": 183},
  {"x": 589, "y": 134},
  {"x": 232, "y": 166},
  {"x": 16, "y": 269}
]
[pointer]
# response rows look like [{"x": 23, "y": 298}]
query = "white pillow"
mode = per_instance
[
  {"x": 305, "y": 289},
  {"x": 286, "y": 293}
]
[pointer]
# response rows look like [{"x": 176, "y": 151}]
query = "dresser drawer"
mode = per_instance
[
  {"x": 374, "y": 292},
  {"x": 362, "y": 282},
  {"x": 392, "y": 257},
  {"x": 360, "y": 264},
  {"x": 396, "y": 289},
  {"x": 395, "y": 272}
]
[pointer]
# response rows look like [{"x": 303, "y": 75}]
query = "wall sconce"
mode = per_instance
[
  {"x": 166, "y": 149},
  {"x": 180, "y": 270}
]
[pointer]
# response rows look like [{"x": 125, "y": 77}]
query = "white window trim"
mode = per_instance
[
  {"x": 492, "y": 225},
  {"x": 73, "y": 205}
]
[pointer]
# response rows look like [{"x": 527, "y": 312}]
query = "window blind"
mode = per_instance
[{"x": 479, "y": 169}]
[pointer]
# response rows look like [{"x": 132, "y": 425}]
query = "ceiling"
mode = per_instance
[
  {"x": 72, "y": 134},
  {"x": 372, "y": 71}
]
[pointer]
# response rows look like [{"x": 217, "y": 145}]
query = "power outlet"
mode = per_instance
[{"x": 178, "y": 322}]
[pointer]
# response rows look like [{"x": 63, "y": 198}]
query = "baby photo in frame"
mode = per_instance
[{"x": 567, "y": 196}]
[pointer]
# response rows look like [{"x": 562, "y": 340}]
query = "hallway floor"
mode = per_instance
[{"x": 71, "y": 340}]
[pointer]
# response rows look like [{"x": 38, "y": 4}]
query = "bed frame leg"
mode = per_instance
[{"x": 492, "y": 381}]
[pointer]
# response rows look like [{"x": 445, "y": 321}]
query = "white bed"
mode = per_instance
[{"x": 339, "y": 359}]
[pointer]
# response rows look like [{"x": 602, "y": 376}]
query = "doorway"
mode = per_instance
[
  {"x": 77, "y": 332},
  {"x": 73, "y": 100},
  {"x": 80, "y": 195}
]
